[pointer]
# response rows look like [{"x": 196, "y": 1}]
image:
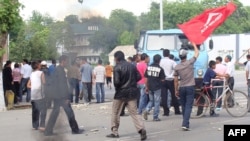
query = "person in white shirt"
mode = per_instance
[
  {"x": 37, "y": 97},
  {"x": 25, "y": 75},
  {"x": 99, "y": 79},
  {"x": 168, "y": 66},
  {"x": 230, "y": 73}
]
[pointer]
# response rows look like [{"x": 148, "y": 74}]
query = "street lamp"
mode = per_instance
[
  {"x": 161, "y": 15},
  {"x": 80, "y": 1}
]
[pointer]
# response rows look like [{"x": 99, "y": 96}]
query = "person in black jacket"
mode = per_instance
[
  {"x": 125, "y": 81},
  {"x": 61, "y": 97},
  {"x": 8, "y": 85}
]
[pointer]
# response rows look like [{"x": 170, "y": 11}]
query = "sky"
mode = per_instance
[{"x": 58, "y": 9}]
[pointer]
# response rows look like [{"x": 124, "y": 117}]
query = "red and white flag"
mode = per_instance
[{"x": 201, "y": 27}]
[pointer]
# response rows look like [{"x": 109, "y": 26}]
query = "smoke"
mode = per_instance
[
  {"x": 73, "y": 7},
  {"x": 60, "y": 130},
  {"x": 85, "y": 13}
]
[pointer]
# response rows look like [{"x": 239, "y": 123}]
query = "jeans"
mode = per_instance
[
  {"x": 100, "y": 88},
  {"x": 74, "y": 85},
  {"x": 23, "y": 87},
  {"x": 143, "y": 101},
  {"x": 39, "y": 112},
  {"x": 187, "y": 99},
  {"x": 154, "y": 98}
]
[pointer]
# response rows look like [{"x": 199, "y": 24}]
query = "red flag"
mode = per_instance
[{"x": 201, "y": 27}]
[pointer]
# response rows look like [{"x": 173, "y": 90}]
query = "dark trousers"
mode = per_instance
[
  {"x": 231, "y": 86},
  {"x": 74, "y": 85},
  {"x": 23, "y": 87},
  {"x": 16, "y": 91},
  {"x": 169, "y": 85},
  {"x": 39, "y": 112},
  {"x": 87, "y": 91},
  {"x": 187, "y": 99},
  {"x": 55, "y": 112}
]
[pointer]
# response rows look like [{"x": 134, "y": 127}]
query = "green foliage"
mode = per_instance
[
  {"x": 34, "y": 39},
  {"x": 9, "y": 14},
  {"x": 122, "y": 20},
  {"x": 39, "y": 37},
  {"x": 178, "y": 12},
  {"x": 126, "y": 38},
  {"x": 72, "y": 19}
]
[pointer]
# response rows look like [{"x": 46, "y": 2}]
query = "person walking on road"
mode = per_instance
[
  {"x": 125, "y": 81},
  {"x": 185, "y": 89},
  {"x": 61, "y": 99},
  {"x": 154, "y": 77}
]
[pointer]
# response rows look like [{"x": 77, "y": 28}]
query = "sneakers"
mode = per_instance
[
  {"x": 112, "y": 135},
  {"x": 145, "y": 115},
  {"x": 143, "y": 134},
  {"x": 185, "y": 128}
]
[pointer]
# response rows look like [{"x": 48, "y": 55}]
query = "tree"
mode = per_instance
[
  {"x": 127, "y": 38},
  {"x": 122, "y": 20},
  {"x": 105, "y": 39},
  {"x": 9, "y": 16},
  {"x": 178, "y": 12},
  {"x": 72, "y": 19},
  {"x": 37, "y": 39}
]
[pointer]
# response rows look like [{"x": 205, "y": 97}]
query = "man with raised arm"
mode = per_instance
[{"x": 185, "y": 89}]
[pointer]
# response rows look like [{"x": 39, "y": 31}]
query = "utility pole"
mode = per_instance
[{"x": 161, "y": 15}]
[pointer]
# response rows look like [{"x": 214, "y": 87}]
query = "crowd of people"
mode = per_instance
[{"x": 139, "y": 86}]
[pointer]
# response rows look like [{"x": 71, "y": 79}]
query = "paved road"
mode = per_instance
[{"x": 95, "y": 119}]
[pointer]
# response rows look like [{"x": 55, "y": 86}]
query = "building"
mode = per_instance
[
  {"x": 81, "y": 49},
  {"x": 128, "y": 50}
]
